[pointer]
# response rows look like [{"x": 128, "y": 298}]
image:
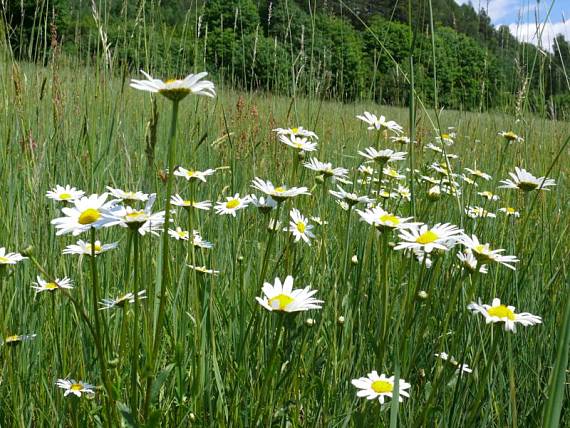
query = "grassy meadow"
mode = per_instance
[{"x": 199, "y": 350}]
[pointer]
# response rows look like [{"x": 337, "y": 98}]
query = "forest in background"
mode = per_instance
[{"x": 353, "y": 50}]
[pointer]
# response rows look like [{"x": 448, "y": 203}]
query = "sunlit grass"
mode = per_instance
[{"x": 222, "y": 358}]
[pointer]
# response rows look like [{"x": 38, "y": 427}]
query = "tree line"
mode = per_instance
[{"x": 358, "y": 49}]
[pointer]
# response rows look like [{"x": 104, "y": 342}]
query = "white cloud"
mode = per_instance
[{"x": 530, "y": 32}]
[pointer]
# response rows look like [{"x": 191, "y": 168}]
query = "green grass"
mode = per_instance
[{"x": 223, "y": 360}]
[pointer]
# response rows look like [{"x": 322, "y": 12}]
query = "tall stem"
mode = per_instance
[
  {"x": 99, "y": 347},
  {"x": 163, "y": 280},
  {"x": 135, "y": 332}
]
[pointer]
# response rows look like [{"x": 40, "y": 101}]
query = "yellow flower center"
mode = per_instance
[
  {"x": 4, "y": 260},
  {"x": 501, "y": 311},
  {"x": 136, "y": 216},
  {"x": 510, "y": 135},
  {"x": 234, "y": 203},
  {"x": 382, "y": 386},
  {"x": 168, "y": 81},
  {"x": 89, "y": 216},
  {"x": 295, "y": 130},
  {"x": 76, "y": 387},
  {"x": 97, "y": 248},
  {"x": 191, "y": 173},
  {"x": 445, "y": 136},
  {"x": 280, "y": 189},
  {"x": 480, "y": 249},
  {"x": 51, "y": 286},
  {"x": 301, "y": 227},
  {"x": 280, "y": 302},
  {"x": 12, "y": 339},
  {"x": 65, "y": 196},
  {"x": 189, "y": 203},
  {"x": 390, "y": 219},
  {"x": 510, "y": 210},
  {"x": 427, "y": 237}
]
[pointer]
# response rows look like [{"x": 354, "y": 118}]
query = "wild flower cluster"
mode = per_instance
[{"x": 380, "y": 191}]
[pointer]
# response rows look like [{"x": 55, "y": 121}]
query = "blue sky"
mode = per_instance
[{"x": 522, "y": 17}]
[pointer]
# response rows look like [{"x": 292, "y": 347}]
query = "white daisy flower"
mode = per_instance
[
  {"x": 10, "y": 258},
  {"x": 478, "y": 174},
  {"x": 433, "y": 147},
  {"x": 385, "y": 194},
  {"x": 299, "y": 226},
  {"x": 461, "y": 368},
  {"x": 175, "y": 89},
  {"x": 75, "y": 387},
  {"x": 125, "y": 195},
  {"x": 442, "y": 168},
  {"x": 380, "y": 387},
  {"x": 43, "y": 285},
  {"x": 319, "y": 221},
  {"x": 198, "y": 241},
  {"x": 84, "y": 248},
  {"x": 470, "y": 263},
  {"x": 497, "y": 312},
  {"x": 429, "y": 179},
  {"x": 485, "y": 255},
  {"x": 326, "y": 169},
  {"x": 382, "y": 156},
  {"x": 434, "y": 192},
  {"x": 279, "y": 193},
  {"x": 16, "y": 339},
  {"x": 511, "y": 137},
  {"x": 366, "y": 170},
  {"x": 204, "y": 270},
  {"x": 525, "y": 181},
  {"x": 447, "y": 138},
  {"x": 179, "y": 234},
  {"x": 67, "y": 193},
  {"x": 380, "y": 124},
  {"x": 469, "y": 180},
  {"x": 402, "y": 139},
  {"x": 283, "y": 298},
  {"x": 231, "y": 205},
  {"x": 490, "y": 196},
  {"x": 88, "y": 212},
  {"x": 392, "y": 173},
  {"x": 296, "y": 132},
  {"x": 178, "y": 201},
  {"x": 189, "y": 174},
  {"x": 299, "y": 143},
  {"x": 478, "y": 212},
  {"x": 120, "y": 301},
  {"x": 404, "y": 192},
  {"x": 143, "y": 221},
  {"x": 350, "y": 198},
  {"x": 264, "y": 205},
  {"x": 510, "y": 211},
  {"x": 422, "y": 237},
  {"x": 383, "y": 220}
]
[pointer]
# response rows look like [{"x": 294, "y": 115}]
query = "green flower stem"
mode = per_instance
[
  {"x": 512, "y": 385},
  {"x": 163, "y": 280},
  {"x": 272, "y": 234},
  {"x": 136, "y": 331},
  {"x": 110, "y": 402}
]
